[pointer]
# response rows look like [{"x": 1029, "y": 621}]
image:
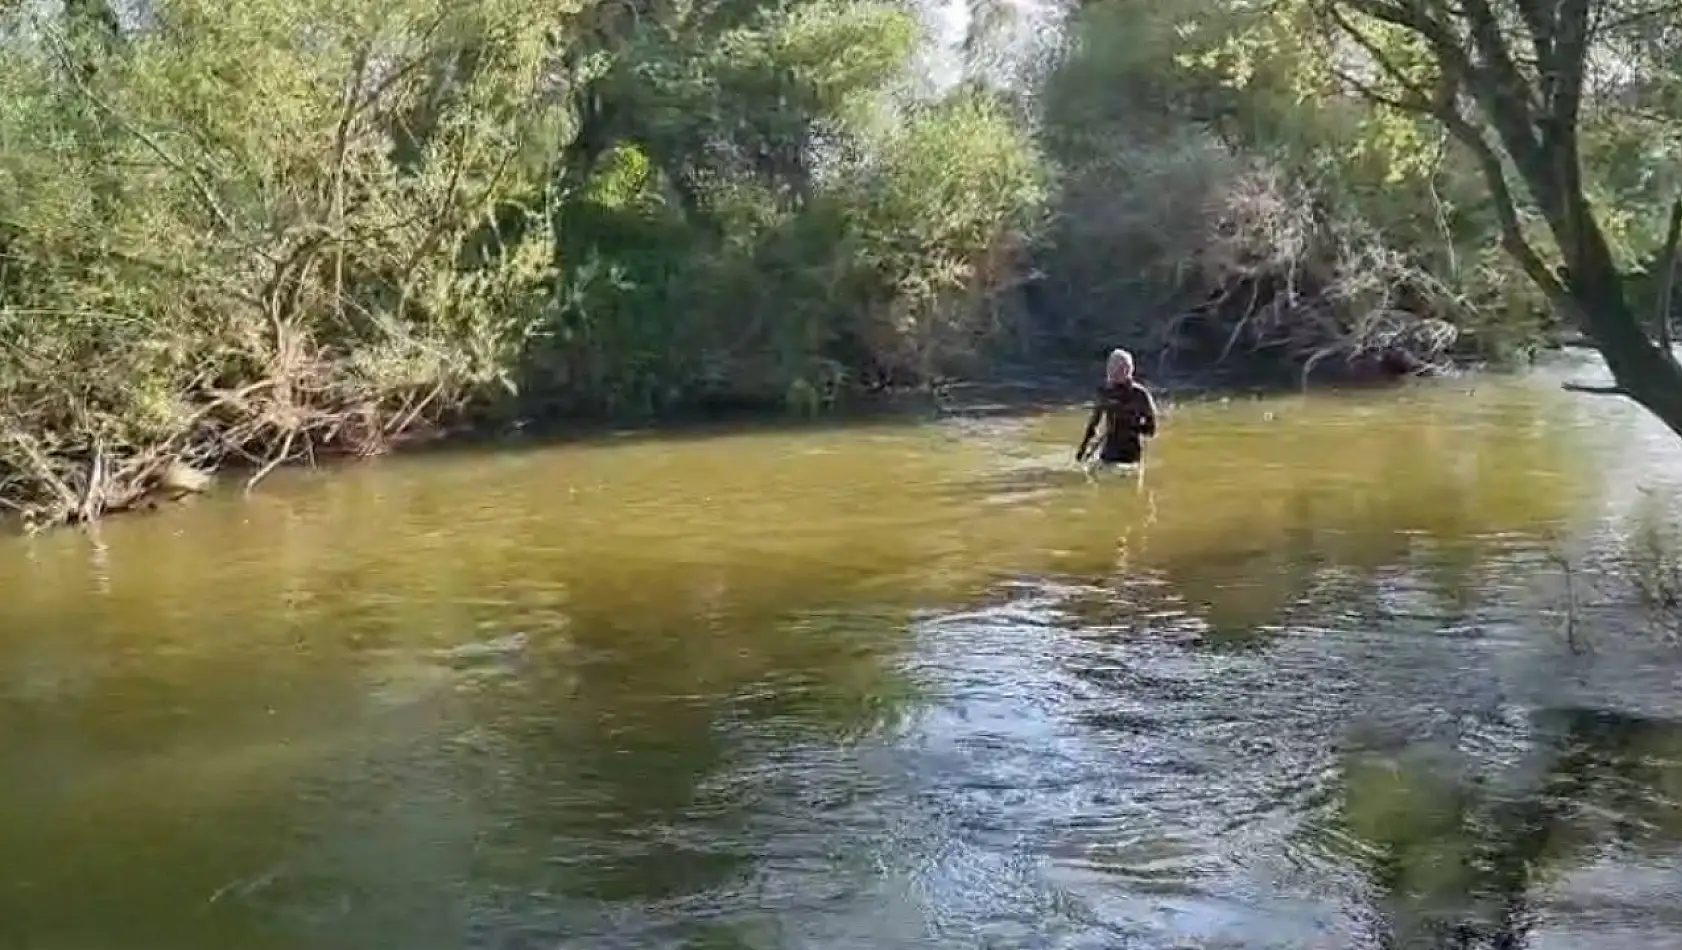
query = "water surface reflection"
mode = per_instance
[{"x": 890, "y": 686}]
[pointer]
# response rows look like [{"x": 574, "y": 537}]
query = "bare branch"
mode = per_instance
[
  {"x": 1418, "y": 101},
  {"x": 1506, "y": 212}
]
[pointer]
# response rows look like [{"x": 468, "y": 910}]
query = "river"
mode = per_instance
[{"x": 880, "y": 685}]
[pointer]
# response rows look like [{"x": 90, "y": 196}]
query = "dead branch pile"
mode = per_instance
[
  {"x": 134, "y": 428},
  {"x": 1282, "y": 278}
]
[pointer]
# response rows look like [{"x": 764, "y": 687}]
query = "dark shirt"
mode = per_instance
[{"x": 1129, "y": 416}]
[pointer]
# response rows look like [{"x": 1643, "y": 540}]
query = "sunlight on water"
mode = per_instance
[{"x": 884, "y": 685}]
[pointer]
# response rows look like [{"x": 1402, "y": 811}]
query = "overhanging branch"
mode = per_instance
[{"x": 1442, "y": 105}]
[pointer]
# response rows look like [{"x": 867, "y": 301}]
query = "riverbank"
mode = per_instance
[{"x": 1004, "y": 390}]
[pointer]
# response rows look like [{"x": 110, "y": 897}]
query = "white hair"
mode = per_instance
[{"x": 1119, "y": 366}]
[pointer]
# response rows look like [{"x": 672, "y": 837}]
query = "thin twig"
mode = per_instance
[
  {"x": 200, "y": 187},
  {"x": 279, "y": 458}
]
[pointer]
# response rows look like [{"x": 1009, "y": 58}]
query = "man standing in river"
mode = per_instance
[{"x": 1127, "y": 411}]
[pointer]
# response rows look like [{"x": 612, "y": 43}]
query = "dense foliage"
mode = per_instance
[
  {"x": 259, "y": 231},
  {"x": 1252, "y": 172}
]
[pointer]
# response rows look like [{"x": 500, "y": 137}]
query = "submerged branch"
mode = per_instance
[{"x": 1594, "y": 390}]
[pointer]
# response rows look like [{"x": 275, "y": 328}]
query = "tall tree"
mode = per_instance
[{"x": 1516, "y": 83}]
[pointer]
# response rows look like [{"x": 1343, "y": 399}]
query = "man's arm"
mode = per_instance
[
  {"x": 1147, "y": 422},
  {"x": 1091, "y": 429}
]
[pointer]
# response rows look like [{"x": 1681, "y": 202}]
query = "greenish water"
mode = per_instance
[{"x": 885, "y": 686}]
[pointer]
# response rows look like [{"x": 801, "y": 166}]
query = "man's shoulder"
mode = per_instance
[{"x": 1123, "y": 390}]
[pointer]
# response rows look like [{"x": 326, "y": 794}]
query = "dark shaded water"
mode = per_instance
[{"x": 1303, "y": 686}]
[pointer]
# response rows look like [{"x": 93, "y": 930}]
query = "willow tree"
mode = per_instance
[{"x": 1530, "y": 90}]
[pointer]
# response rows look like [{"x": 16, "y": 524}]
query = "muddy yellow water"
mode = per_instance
[{"x": 899, "y": 684}]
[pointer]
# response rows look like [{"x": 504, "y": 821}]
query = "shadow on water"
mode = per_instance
[{"x": 889, "y": 686}]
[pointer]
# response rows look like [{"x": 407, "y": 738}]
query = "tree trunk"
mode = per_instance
[{"x": 1645, "y": 370}]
